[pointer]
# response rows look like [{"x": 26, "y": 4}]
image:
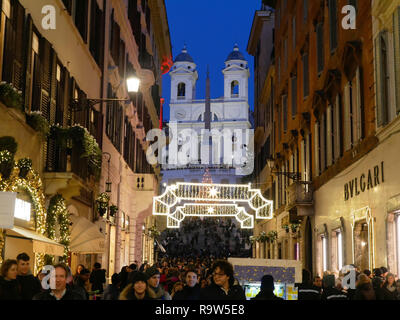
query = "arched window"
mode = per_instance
[
  {"x": 181, "y": 90},
  {"x": 235, "y": 88}
]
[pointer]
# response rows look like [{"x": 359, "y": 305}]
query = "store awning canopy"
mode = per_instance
[
  {"x": 86, "y": 237},
  {"x": 41, "y": 244}
]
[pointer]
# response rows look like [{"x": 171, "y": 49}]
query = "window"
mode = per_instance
[
  {"x": 294, "y": 34},
  {"x": 333, "y": 25},
  {"x": 353, "y": 112},
  {"x": 383, "y": 78},
  {"x": 305, "y": 10},
  {"x": 285, "y": 113},
  {"x": 339, "y": 249},
  {"x": 324, "y": 240},
  {"x": 306, "y": 84},
  {"x": 294, "y": 96},
  {"x": 235, "y": 89},
  {"x": 320, "y": 47},
  {"x": 336, "y": 129},
  {"x": 396, "y": 33},
  {"x": 317, "y": 148},
  {"x": 329, "y": 136},
  {"x": 181, "y": 90}
]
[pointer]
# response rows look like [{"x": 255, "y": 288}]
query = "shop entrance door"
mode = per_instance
[{"x": 361, "y": 245}]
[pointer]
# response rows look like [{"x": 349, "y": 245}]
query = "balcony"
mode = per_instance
[{"x": 300, "y": 198}]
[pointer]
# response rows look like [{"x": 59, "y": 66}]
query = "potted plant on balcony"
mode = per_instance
[
  {"x": 294, "y": 227},
  {"x": 113, "y": 210},
  {"x": 286, "y": 227},
  {"x": 102, "y": 203},
  {"x": 10, "y": 96},
  {"x": 263, "y": 237},
  {"x": 273, "y": 236},
  {"x": 24, "y": 165},
  {"x": 38, "y": 123}
]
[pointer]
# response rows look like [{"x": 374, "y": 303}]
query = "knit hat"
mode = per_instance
[
  {"x": 138, "y": 276},
  {"x": 151, "y": 272},
  {"x": 267, "y": 283}
]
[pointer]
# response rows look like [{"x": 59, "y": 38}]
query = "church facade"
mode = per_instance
[{"x": 188, "y": 114}]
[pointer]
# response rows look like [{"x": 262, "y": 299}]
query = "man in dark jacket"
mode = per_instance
[
  {"x": 223, "y": 285},
  {"x": 267, "y": 289},
  {"x": 306, "y": 290},
  {"x": 192, "y": 289},
  {"x": 98, "y": 278},
  {"x": 60, "y": 292},
  {"x": 113, "y": 290},
  {"x": 29, "y": 284},
  {"x": 330, "y": 292},
  {"x": 377, "y": 283}
]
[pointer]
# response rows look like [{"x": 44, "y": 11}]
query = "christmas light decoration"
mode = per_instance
[
  {"x": 32, "y": 184},
  {"x": 211, "y": 194},
  {"x": 210, "y": 210}
]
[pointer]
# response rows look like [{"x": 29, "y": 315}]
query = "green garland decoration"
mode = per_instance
[{"x": 57, "y": 212}]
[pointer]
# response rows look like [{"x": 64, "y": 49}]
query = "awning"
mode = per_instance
[
  {"x": 86, "y": 237},
  {"x": 40, "y": 243}
]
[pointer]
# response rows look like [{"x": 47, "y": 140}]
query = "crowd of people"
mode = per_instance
[
  {"x": 182, "y": 279},
  {"x": 18, "y": 283},
  {"x": 204, "y": 237},
  {"x": 376, "y": 285}
]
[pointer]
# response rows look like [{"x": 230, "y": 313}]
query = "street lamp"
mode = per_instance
[
  {"x": 295, "y": 176},
  {"x": 108, "y": 182},
  {"x": 132, "y": 84}
]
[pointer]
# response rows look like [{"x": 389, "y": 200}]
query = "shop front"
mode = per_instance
[{"x": 357, "y": 213}]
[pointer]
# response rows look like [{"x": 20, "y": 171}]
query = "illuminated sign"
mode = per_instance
[{"x": 22, "y": 210}]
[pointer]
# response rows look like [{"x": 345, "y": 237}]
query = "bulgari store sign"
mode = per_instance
[{"x": 366, "y": 181}]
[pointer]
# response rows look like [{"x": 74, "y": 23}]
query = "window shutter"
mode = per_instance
[
  {"x": 305, "y": 76},
  {"x": 381, "y": 81},
  {"x": 45, "y": 62},
  {"x": 28, "y": 63},
  {"x": 322, "y": 142},
  {"x": 66, "y": 98},
  {"x": 346, "y": 116},
  {"x": 333, "y": 24},
  {"x": 396, "y": 29},
  {"x": 285, "y": 113},
  {"x": 294, "y": 96},
  {"x": 19, "y": 29},
  {"x": 81, "y": 18},
  {"x": 8, "y": 54},
  {"x": 71, "y": 91},
  {"x": 316, "y": 148},
  {"x": 122, "y": 59},
  {"x": 329, "y": 136},
  {"x": 336, "y": 128},
  {"x": 320, "y": 47},
  {"x": 357, "y": 116},
  {"x": 53, "y": 86}
]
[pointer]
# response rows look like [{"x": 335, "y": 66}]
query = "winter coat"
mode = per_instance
[
  {"x": 129, "y": 294},
  {"x": 158, "y": 293},
  {"x": 10, "y": 290},
  {"x": 188, "y": 293},
  {"x": 97, "y": 278},
  {"x": 364, "y": 292},
  {"x": 333, "y": 294},
  {"x": 214, "y": 292},
  {"x": 266, "y": 295},
  {"x": 387, "y": 294},
  {"x": 111, "y": 292},
  {"x": 69, "y": 295},
  {"x": 377, "y": 286},
  {"x": 308, "y": 292},
  {"x": 29, "y": 285}
]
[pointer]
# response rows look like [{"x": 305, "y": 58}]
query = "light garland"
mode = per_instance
[
  {"x": 57, "y": 212},
  {"x": 211, "y": 193},
  {"x": 33, "y": 186},
  {"x": 210, "y": 210}
]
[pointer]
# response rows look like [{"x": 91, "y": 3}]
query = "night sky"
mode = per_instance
[{"x": 210, "y": 28}]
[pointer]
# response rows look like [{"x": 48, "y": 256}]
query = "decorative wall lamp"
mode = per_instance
[{"x": 108, "y": 182}]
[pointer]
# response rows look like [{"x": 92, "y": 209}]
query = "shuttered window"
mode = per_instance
[
  {"x": 337, "y": 129},
  {"x": 13, "y": 58},
  {"x": 396, "y": 33},
  {"x": 329, "y": 136},
  {"x": 97, "y": 33},
  {"x": 294, "y": 96},
  {"x": 382, "y": 80},
  {"x": 317, "y": 149},
  {"x": 346, "y": 118},
  {"x": 285, "y": 113},
  {"x": 356, "y": 108},
  {"x": 320, "y": 47},
  {"x": 115, "y": 42},
  {"x": 114, "y": 118},
  {"x": 305, "y": 10},
  {"x": 322, "y": 143},
  {"x": 333, "y": 25},
  {"x": 306, "y": 77},
  {"x": 81, "y": 17}
]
